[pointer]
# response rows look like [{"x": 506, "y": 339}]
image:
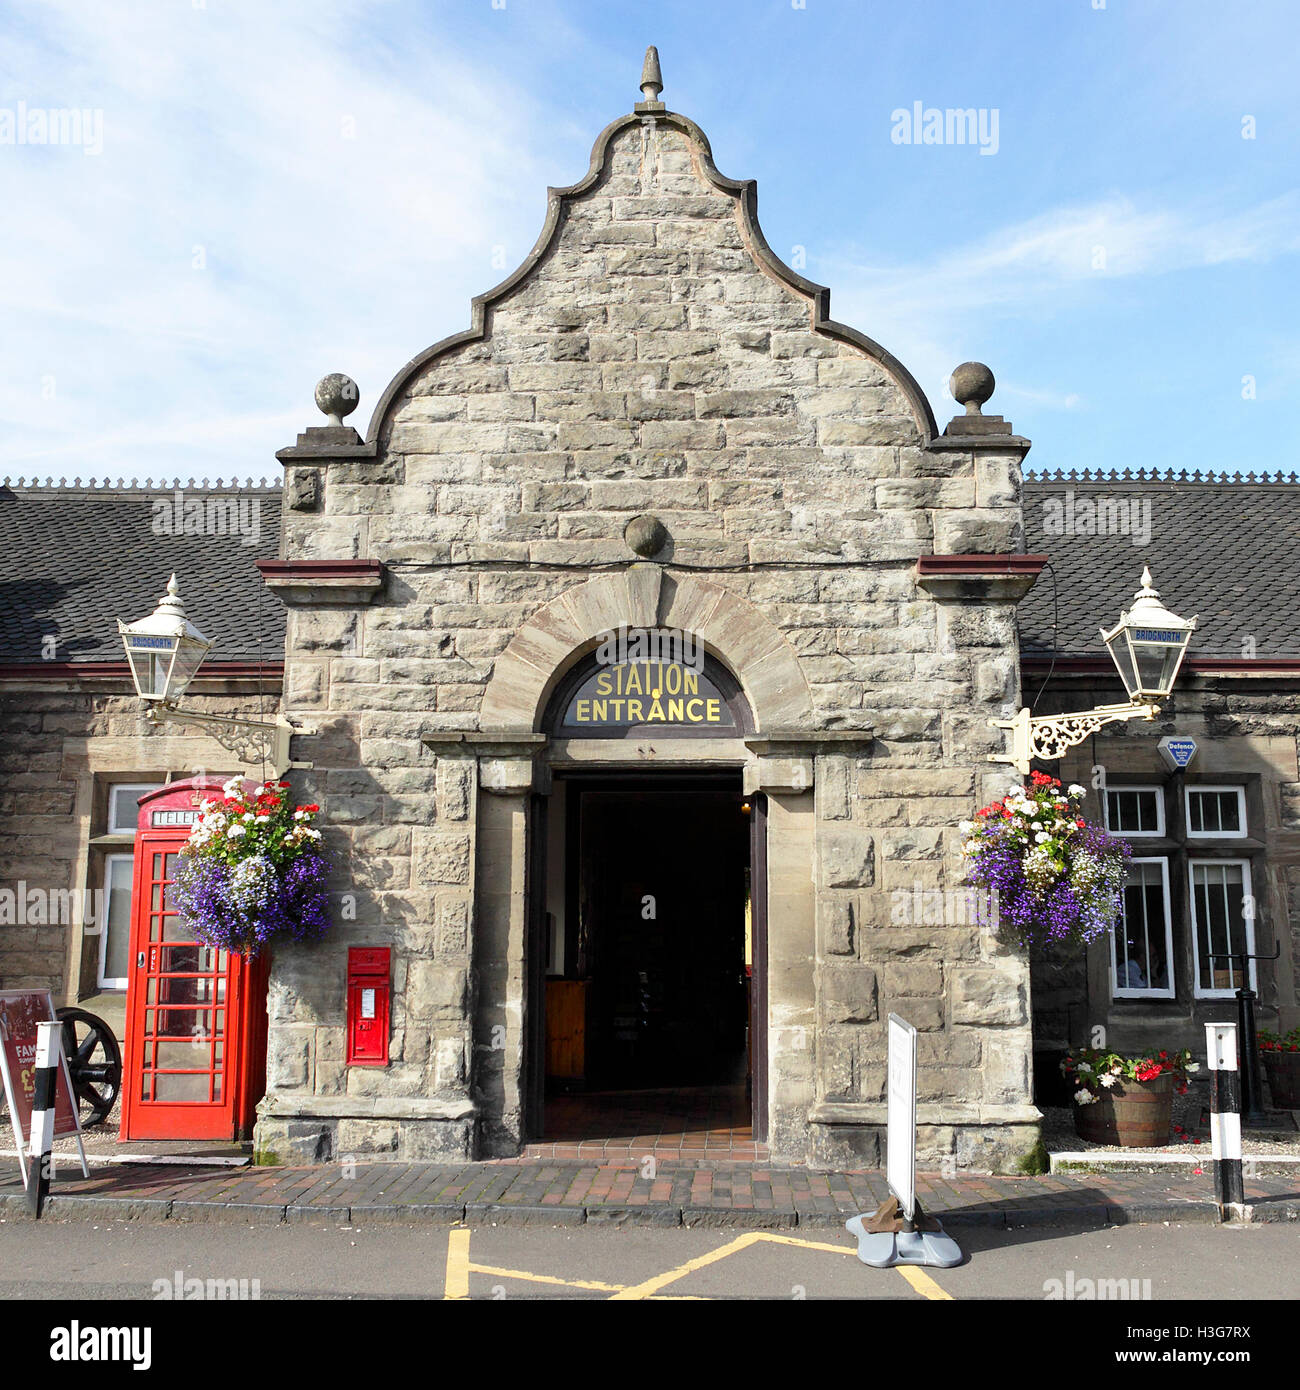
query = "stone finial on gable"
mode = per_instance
[
  {"x": 336, "y": 397},
  {"x": 971, "y": 385},
  {"x": 652, "y": 82}
]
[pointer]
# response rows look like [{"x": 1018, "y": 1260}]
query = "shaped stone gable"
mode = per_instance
[
  {"x": 652, "y": 353},
  {"x": 652, "y": 360}
]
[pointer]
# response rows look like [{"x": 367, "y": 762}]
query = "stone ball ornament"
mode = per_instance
[
  {"x": 971, "y": 384},
  {"x": 337, "y": 396},
  {"x": 646, "y": 535}
]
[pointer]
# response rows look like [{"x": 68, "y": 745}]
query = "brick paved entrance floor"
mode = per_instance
[
  {"x": 687, "y": 1122},
  {"x": 666, "y": 1192}
]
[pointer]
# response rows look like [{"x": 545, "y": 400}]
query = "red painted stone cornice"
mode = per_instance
[
  {"x": 304, "y": 571},
  {"x": 312, "y": 583},
  {"x": 979, "y": 566}
]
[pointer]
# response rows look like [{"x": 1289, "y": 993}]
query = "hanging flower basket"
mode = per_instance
[
  {"x": 1051, "y": 875},
  {"x": 252, "y": 870},
  {"x": 1128, "y": 1101},
  {"x": 1281, "y": 1057}
]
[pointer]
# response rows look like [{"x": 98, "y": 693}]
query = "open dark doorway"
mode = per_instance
[{"x": 651, "y": 969}]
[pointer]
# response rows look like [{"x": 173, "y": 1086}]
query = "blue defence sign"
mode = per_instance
[{"x": 1177, "y": 752}]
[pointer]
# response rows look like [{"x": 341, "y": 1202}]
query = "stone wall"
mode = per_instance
[
  {"x": 651, "y": 357},
  {"x": 62, "y": 743}
]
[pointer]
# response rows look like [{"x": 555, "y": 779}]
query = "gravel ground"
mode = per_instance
[
  {"x": 1059, "y": 1134},
  {"x": 102, "y": 1140}
]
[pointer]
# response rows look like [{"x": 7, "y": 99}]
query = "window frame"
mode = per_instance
[
  {"x": 1248, "y": 891},
  {"x": 1157, "y": 789},
  {"x": 113, "y": 982},
  {"x": 1171, "y": 990},
  {"x": 1240, "y": 834},
  {"x": 116, "y": 844},
  {"x": 140, "y": 788}
]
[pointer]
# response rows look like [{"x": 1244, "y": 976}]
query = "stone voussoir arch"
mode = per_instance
[{"x": 564, "y": 630}]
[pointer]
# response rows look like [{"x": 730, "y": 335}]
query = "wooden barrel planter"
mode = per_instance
[
  {"x": 1283, "y": 1072},
  {"x": 1132, "y": 1114}
]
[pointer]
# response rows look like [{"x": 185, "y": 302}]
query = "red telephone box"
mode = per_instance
[{"x": 195, "y": 1064}]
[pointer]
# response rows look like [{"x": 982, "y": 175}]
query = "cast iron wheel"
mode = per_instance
[{"x": 94, "y": 1063}]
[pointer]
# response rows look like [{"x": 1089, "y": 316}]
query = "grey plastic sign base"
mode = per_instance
[{"x": 884, "y": 1249}]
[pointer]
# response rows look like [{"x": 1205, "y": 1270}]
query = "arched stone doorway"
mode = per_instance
[
  {"x": 647, "y": 962},
  {"x": 557, "y": 795}
]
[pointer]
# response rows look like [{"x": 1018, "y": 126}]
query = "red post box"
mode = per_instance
[{"x": 369, "y": 992}]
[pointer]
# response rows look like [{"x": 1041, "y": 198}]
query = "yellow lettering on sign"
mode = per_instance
[{"x": 671, "y": 694}]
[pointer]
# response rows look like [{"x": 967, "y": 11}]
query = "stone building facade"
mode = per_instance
[
  {"x": 654, "y": 427},
  {"x": 652, "y": 357},
  {"x": 1223, "y": 548},
  {"x": 74, "y": 559}
]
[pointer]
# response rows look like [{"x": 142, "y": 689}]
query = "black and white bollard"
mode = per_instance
[
  {"x": 49, "y": 1050},
  {"x": 1225, "y": 1119}
]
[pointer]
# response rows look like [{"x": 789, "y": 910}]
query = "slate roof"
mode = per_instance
[
  {"x": 1225, "y": 549},
  {"x": 74, "y": 559}
]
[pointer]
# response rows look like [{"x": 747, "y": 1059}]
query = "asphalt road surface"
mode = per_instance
[{"x": 80, "y": 1260}]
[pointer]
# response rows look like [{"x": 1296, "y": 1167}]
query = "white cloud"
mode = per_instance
[
  {"x": 1063, "y": 249},
  {"x": 1035, "y": 268},
  {"x": 280, "y": 195}
]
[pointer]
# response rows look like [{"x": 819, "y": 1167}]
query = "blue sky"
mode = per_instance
[{"x": 289, "y": 189}]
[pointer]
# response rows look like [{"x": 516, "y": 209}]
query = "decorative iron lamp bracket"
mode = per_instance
[
  {"x": 1147, "y": 646},
  {"x": 1048, "y": 736},
  {"x": 252, "y": 741},
  {"x": 164, "y": 651}
]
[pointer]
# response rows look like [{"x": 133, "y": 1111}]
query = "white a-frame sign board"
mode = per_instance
[
  {"x": 899, "y": 1232},
  {"x": 900, "y": 1134}
]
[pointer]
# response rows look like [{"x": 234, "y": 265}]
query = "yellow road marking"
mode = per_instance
[
  {"x": 459, "y": 1269},
  {"x": 546, "y": 1278},
  {"x": 922, "y": 1283},
  {"x": 650, "y": 1287},
  {"x": 671, "y": 1276},
  {"x": 810, "y": 1244},
  {"x": 457, "y": 1284}
]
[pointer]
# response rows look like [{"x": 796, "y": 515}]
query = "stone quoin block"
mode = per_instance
[
  {"x": 847, "y": 858},
  {"x": 987, "y": 997}
]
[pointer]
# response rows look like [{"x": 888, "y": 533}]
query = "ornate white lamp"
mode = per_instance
[
  {"x": 1147, "y": 646},
  {"x": 165, "y": 651}
]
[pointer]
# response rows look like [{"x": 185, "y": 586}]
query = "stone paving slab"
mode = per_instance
[{"x": 675, "y": 1192}]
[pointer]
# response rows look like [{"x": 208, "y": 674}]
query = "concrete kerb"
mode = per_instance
[{"x": 1093, "y": 1216}]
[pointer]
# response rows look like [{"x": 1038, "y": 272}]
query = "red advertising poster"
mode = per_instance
[{"x": 20, "y": 1011}]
